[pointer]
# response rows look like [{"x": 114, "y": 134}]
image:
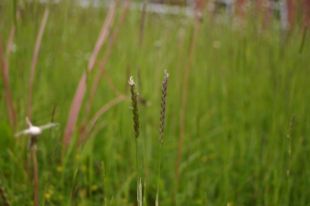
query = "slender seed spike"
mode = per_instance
[
  {"x": 161, "y": 129},
  {"x": 134, "y": 106},
  {"x": 163, "y": 106}
]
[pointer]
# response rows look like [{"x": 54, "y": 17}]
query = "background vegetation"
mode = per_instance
[{"x": 246, "y": 109}]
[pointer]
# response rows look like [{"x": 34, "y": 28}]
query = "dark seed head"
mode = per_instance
[
  {"x": 163, "y": 106},
  {"x": 134, "y": 106}
]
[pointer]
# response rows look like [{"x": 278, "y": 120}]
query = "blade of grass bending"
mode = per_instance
[
  {"x": 81, "y": 89},
  {"x": 6, "y": 84},
  {"x": 34, "y": 61},
  {"x": 105, "y": 108}
]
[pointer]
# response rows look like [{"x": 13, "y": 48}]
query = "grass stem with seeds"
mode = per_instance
[
  {"x": 136, "y": 126},
  {"x": 161, "y": 129}
]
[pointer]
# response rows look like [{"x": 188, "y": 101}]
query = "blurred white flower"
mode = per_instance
[{"x": 34, "y": 130}]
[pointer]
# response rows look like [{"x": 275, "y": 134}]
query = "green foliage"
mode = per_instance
[{"x": 247, "y": 118}]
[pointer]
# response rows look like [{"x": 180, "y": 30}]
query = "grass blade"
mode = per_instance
[
  {"x": 184, "y": 100},
  {"x": 98, "y": 114},
  {"x": 6, "y": 83},
  {"x": 106, "y": 56},
  {"x": 81, "y": 89},
  {"x": 34, "y": 61}
]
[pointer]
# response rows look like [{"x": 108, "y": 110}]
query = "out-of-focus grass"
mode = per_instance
[{"x": 248, "y": 105}]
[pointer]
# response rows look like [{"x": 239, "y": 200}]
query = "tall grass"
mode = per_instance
[
  {"x": 136, "y": 128},
  {"x": 4, "y": 59},
  {"x": 162, "y": 129},
  {"x": 34, "y": 61},
  {"x": 245, "y": 123},
  {"x": 81, "y": 88}
]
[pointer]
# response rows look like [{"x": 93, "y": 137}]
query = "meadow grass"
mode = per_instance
[{"x": 247, "y": 126}]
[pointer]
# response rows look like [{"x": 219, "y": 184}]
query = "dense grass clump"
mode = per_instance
[{"x": 245, "y": 118}]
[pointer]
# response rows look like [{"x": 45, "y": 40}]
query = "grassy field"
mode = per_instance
[{"x": 238, "y": 96}]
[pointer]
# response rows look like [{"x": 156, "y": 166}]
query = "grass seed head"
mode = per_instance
[
  {"x": 163, "y": 106},
  {"x": 134, "y": 106}
]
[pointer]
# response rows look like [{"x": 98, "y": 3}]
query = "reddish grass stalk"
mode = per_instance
[
  {"x": 81, "y": 89},
  {"x": 142, "y": 23},
  {"x": 106, "y": 57},
  {"x": 184, "y": 100},
  {"x": 306, "y": 13},
  {"x": 6, "y": 83},
  {"x": 34, "y": 61},
  {"x": 104, "y": 33},
  {"x": 9, "y": 46},
  {"x": 105, "y": 108},
  {"x": 35, "y": 175}
]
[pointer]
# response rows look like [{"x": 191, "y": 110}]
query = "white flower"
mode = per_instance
[{"x": 34, "y": 130}]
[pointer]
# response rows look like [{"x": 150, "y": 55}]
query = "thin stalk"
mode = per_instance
[
  {"x": 33, "y": 148},
  {"x": 106, "y": 57},
  {"x": 184, "y": 101},
  {"x": 142, "y": 22},
  {"x": 93, "y": 121},
  {"x": 159, "y": 173},
  {"x": 139, "y": 175},
  {"x": 35, "y": 57},
  {"x": 4, "y": 71},
  {"x": 303, "y": 39},
  {"x": 161, "y": 130},
  {"x": 136, "y": 126},
  {"x": 81, "y": 88},
  {"x": 15, "y": 12}
]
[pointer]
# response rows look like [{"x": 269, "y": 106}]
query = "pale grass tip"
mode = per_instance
[{"x": 131, "y": 82}]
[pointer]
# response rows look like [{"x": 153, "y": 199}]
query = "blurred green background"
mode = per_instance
[{"x": 246, "y": 127}]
